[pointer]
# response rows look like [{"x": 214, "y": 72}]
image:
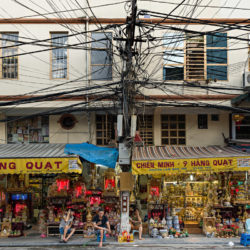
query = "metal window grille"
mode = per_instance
[
  {"x": 10, "y": 63},
  {"x": 59, "y": 64},
  {"x": 173, "y": 130},
  {"x": 146, "y": 128},
  {"x": 195, "y": 57},
  {"x": 105, "y": 129},
  {"x": 202, "y": 122}
]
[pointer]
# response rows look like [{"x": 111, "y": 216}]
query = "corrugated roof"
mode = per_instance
[
  {"x": 36, "y": 150},
  {"x": 183, "y": 152}
]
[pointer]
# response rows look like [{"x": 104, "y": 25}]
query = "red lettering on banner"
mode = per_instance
[
  {"x": 222, "y": 162},
  {"x": 29, "y": 165},
  {"x": 38, "y": 167},
  {"x": 58, "y": 164},
  {"x": 145, "y": 165},
  {"x": 201, "y": 163},
  {"x": 166, "y": 164},
  {"x": 3, "y": 166},
  {"x": 48, "y": 165},
  {"x": 12, "y": 165}
]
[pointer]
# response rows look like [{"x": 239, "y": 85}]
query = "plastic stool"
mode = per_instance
[
  {"x": 245, "y": 239},
  {"x": 247, "y": 226},
  {"x": 135, "y": 231},
  {"x": 99, "y": 238}
]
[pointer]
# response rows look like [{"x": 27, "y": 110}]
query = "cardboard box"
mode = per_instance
[{"x": 126, "y": 181}]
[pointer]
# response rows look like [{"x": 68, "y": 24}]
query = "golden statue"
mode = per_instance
[{"x": 88, "y": 226}]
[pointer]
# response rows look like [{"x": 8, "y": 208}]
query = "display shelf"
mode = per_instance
[
  {"x": 223, "y": 207},
  {"x": 194, "y": 196}
]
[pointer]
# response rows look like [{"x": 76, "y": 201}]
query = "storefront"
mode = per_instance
[
  {"x": 40, "y": 182},
  {"x": 184, "y": 190},
  {"x": 27, "y": 173}
]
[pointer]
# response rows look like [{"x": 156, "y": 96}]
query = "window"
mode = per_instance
[
  {"x": 101, "y": 56},
  {"x": 10, "y": 63},
  {"x": 249, "y": 56},
  {"x": 215, "y": 117},
  {"x": 59, "y": 64},
  {"x": 202, "y": 57},
  {"x": 173, "y": 57},
  {"x": 105, "y": 129},
  {"x": 145, "y": 127},
  {"x": 242, "y": 127},
  {"x": 173, "y": 130},
  {"x": 202, "y": 122},
  {"x": 217, "y": 56},
  {"x": 34, "y": 130},
  {"x": 195, "y": 57}
]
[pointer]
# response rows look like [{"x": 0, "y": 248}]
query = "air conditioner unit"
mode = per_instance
[{"x": 246, "y": 80}]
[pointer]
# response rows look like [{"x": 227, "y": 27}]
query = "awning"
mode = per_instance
[
  {"x": 99, "y": 155},
  {"x": 182, "y": 159},
  {"x": 37, "y": 159},
  {"x": 240, "y": 99}
]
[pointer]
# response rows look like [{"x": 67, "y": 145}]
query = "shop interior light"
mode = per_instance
[
  {"x": 191, "y": 177},
  {"x": 171, "y": 182}
]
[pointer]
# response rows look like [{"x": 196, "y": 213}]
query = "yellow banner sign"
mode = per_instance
[
  {"x": 191, "y": 165},
  {"x": 40, "y": 166}
]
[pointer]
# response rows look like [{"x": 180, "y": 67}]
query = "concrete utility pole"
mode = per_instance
[{"x": 126, "y": 120}]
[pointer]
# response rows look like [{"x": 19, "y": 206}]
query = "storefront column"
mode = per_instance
[
  {"x": 3, "y": 132},
  {"x": 157, "y": 127},
  {"x": 125, "y": 226}
]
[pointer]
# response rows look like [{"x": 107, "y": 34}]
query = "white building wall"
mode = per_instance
[
  {"x": 78, "y": 134},
  {"x": 207, "y": 137},
  {"x": 34, "y": 69}
]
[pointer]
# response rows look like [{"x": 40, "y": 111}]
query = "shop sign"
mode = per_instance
[
  {"x": 40, "y": 165},
  {"x": 191, "y": 165}
]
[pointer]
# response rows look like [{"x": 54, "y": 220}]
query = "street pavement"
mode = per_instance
[{"x": 77, "y": 242}]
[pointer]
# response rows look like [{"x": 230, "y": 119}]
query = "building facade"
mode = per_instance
[{"x": 67, "y": 60}]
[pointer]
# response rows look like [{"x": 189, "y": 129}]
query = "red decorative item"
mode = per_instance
[
  {"x": 88, "y": 192},
  {"x": 95, "y": 199},
  {"x": 78, "y": 191},
  {"x": 2, "y": 196},
  {"x": 62, "y": 185},
  {"x": 154, "y": 191},
  {"x": 19, "y": 207},
  {"x": 109, "y": 183}
]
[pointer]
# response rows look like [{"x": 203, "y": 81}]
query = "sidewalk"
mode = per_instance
[{"x": 192, "y": 241}]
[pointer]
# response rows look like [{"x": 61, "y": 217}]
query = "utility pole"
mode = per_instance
[{"x": 126, "y": 119}]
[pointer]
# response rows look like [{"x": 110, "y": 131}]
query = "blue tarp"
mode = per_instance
[{"x": 99, "y": 155}]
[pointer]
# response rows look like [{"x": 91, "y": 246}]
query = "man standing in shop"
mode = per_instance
[
  {"x": 66, "y": 226},
  {"x": 101, "y": 223}
]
